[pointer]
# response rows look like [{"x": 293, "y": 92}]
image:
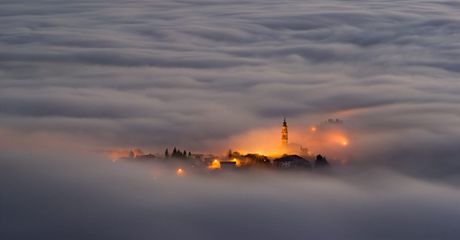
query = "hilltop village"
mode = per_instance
[{"x": 185, "y": 160}]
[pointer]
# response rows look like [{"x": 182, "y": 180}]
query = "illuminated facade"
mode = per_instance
[{"x": 284, "y": 134}]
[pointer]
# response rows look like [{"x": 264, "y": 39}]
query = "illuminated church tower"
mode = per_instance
[{"x": 284, "y": 134}]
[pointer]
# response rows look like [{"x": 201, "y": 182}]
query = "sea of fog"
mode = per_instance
[
  {"x": 209, "y": 75},
  {"x": 56, "y": 196}
]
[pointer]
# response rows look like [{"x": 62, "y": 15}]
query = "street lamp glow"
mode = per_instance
[{"x": 180, "y": 172}]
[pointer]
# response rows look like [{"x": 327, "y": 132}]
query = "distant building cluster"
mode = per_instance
[
  {"x": 331, "y": 121},
  {"x": 186, "y": 160},
  {"x": 138, "y": 154}
]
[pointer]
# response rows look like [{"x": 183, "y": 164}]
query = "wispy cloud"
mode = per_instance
[{"x": 155, "y": 73}]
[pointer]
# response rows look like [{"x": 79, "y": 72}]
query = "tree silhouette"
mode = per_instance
[
  {"x": 166, "y": 153},
  {"x": 321, "y": 162}
]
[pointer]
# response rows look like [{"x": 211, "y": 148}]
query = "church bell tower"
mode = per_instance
[{"x": 284, "y": 133}]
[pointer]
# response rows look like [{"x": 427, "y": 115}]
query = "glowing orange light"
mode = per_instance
[
  {"x": 339, "y": 139},
  {"x": 237, "y": 162},
  {"x": 215, "y": 164},
  {"x": 313, "y": 129},
  {"x": 180, "y": 171}
]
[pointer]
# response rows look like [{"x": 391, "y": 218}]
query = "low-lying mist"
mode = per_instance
[{"x": 68, "y": 197}]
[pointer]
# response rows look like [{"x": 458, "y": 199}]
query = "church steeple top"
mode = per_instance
[{"x": 284, "y": 133}]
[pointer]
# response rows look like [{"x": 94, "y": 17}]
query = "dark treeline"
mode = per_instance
[{"x": 177, "y": 153}]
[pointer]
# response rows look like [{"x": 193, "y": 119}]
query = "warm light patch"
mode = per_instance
[
  {"x": 124, "y": 153},
  {"x": 314, "y": 139},
  {"x": 117, "y": 154},
  {"x": 261, "y": 141},
  {"x": 180, "y": 172},
  {"x": 237, "y": 162},
  {"x": 215, "y": 164},
  {"x": 342, "y": 140}
]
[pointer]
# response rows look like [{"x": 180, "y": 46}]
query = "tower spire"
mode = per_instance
[{"x": 284, "y": 133}]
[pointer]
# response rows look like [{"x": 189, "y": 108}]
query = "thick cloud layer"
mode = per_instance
[
  {"x": 62, "y": 197},
  {"x": 196, "y": 73}
]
